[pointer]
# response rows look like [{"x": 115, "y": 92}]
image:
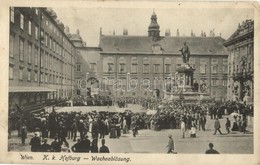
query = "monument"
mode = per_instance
[{"x": 184, "y": 87}]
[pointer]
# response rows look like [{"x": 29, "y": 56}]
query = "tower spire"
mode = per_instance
[{"x": 154, "y": 28}]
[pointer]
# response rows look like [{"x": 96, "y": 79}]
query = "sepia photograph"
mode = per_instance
[{"x": 129, "y": 80}]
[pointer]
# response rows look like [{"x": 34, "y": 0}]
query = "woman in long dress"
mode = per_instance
[
  {"x": 183, "y": 128},
  {"x": 193, "y": 129}
]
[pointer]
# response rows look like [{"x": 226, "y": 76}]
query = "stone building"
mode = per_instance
[
  {"x": 132, "y": 64},
  {"x": 41, "y": 58},
  {"x": 240, "y": 47},
  {"x": 87, "y": 66}
]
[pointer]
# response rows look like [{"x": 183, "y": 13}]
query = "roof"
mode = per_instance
[
  {"x": 246, "y": 29},
  {"x": 169, "y": 45},
  {"x": 74, "y": 37},
  {"x": 30, "y": 89}
]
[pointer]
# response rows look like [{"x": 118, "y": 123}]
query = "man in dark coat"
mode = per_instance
[
  {"x": 103, "y": 148},
  {"x": 35, "y": 143},
  {"x": 23, "y": 132},
  {"x": 211, "y": 150},
  {"x": 45, "y": 147},
  {"x": 85, "y": 144},
  {"x": 55, "y": 145},
  {"x": 228, "y": 125},
  {"x": 94, "y": 147},
  {"x": 77, "y": 146},
  {"x": 74, "y": 130}
]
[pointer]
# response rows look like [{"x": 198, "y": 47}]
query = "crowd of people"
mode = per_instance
[{"x": 169, "y": 115}]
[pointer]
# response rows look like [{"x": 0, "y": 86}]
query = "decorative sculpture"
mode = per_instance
[{"x": 185, "y": 52}]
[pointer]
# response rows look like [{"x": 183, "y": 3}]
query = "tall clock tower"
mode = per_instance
[{"x": 154, "y": 28}]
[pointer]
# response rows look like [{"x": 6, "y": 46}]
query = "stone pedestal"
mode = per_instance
[{"x": 184, "y": 80}]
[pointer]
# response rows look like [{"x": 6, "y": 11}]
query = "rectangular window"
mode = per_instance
[
  {"x": 146, "y": 68},
  {"x": 50, "y": 61},
  {"x": 78, "y": 68},
  {"x": 110, "y": 67},
  {"x": 21, "y": 74},
  {"x": 92, "y": 67},
  {"x": 42, "y": 57},
  {"x": 12, "y": 14},
  {"x": 46, "y": 78},
  {"x": 11, "y": 46},
  {"x": 21, "y": 21},
  {"x": 156, "y": 68},
  {"x": 42, "y": 37},
  {"x": 225, "y": 69},
  {"x": 46, "y": 39},
  {"x": 30, "y": 28},
  {"x": 41, "y": 77},
  {"x": 214, "y": 69},
  {"x": 35, "y": 76},
  {"x": 11, "y": 72},
  {"x": 46, "y": 60},
  {"x": 134, "y": 68},
  {"x": 225, "y": 82},
  {"x": 214, "y": 82},
  {"x": 122, "y": 68},
  {"x": 203, "y": 69},
  {"x": 21, "y": 49},
  {"x": 225, "y": 60},
  {"x": 29, "y": 53},
  {"x": 36, "y": 32},
  {"x": 29, "y": 75},
  {"x": 214, "y": 60},
  {"x": 167, "y": 68},
  {"x": 36, "y": 56},
  {"x": 50, "y": 43}
]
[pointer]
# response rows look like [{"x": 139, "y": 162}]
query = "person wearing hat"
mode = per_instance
[
  {"x": 35, "y": 143},
  {"x": 217, "y": 126},
  {"x": 74, "y": 129},
  {"x": 211, "y": 150},
  {"x": 23, "y": 132},
  {"x": 170, "y": 145},
  {"x": 77, "y": 146},
  {"x": 45, "y": 147},
  {"x": 103, "y": 148},
  {"x": 55, "y": 145}
]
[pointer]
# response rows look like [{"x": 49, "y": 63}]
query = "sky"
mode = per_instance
[{"x": 136, "y": 21}]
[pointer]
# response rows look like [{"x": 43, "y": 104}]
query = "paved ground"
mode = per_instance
[{"x": 148, "y": 141}]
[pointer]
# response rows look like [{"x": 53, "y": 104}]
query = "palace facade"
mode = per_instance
[
  {"x": 148, "y": 60},
  {"x": 240, "y": 47},
  {"x": 41, "y": 58}
]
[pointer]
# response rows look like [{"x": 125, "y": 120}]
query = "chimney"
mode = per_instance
[
  {"x": 204, "y": 35},
  {"x": 125, "y": 32},
  {"x": 61, "y": 25},
  {"x": 191, "y": 33},
  {"x": 177, "y": 33},
  {"x": 201, "y": 33},
  {"x": 100, "y": 31},
  {"x": 168, "y": 32},
  {"x": 77, "y": 31},
  {"x": 114, "y": 33},
  {"x": 67, "y": 30}
]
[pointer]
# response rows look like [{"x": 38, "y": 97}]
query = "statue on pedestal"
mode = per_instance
[{"x": 185, "y": 53}]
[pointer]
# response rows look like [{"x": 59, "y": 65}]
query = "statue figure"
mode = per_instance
[{"x": 185, "y": 52}]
